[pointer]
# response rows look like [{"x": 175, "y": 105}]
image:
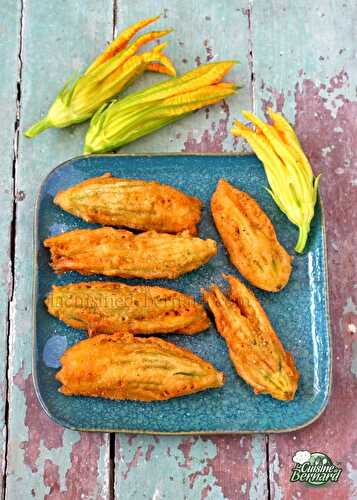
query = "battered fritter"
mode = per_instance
[
  {"x": 250, "y": 238},
  {"x": 254, "y": 347},
  {"x": 128, "y": 367},
  {"x": 115, "y": 252},
  {"x": 104, "y": 307},
  {"x": 132, "y": 203}
]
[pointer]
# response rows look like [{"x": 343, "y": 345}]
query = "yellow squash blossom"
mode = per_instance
[
  {"x": 109, "y": 74},
  {"x": 143, "y": 112},
  {"x": 292, "y": 183}
]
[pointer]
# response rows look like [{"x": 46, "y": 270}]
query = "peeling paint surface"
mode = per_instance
[
  {"x": 333, "y": 433},
  {"x": 40, "y": 429},
  {"x": 43, "y": 459},
  {"x": 202, "y": 131},
  {"x": 299, "y": 58},
  {"x": 211, "y": 140},
  {"x": 9, "y": 33},
  {"x": 194, "y": 467},
  {"x": 74, "y": 476},
  {"x": 314, "y": 84},
  {"x": 81, "y": 477}
]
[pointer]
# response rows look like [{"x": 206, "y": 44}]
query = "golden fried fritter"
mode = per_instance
[
  {"x": 128, "y": 367},
  {"x": 103, "y": 307},
  {"x": 254, "y": 347},
  {"x": 115, "y": 252},
  {"x": 250, "y": 238},
  {"x": 132, "y": 203}
]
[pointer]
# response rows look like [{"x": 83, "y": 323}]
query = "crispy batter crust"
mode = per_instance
[
  {"x": 250, "y": 238},
  {"x": 132, "y": 203},
  {"x": 254, "y": 347},
  {"x": 115, "y": 252},
  {"x": 104, "y": 307},
  {"x": 127, "y": 367}
]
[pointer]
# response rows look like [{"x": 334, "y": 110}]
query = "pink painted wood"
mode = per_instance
[
  {"x": 218, "y": 467},
  {"x": 43, "y": 459},
  {"x": 308, "y": 71},
  {"x": 299, "y": 57}
]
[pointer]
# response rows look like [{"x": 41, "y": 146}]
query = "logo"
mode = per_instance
[{"x": 314, "y": 469}]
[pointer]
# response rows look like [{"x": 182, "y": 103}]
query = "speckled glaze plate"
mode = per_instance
[{"x": 299, "y": 312}]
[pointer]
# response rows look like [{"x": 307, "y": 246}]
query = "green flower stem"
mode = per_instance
[
  {"x": 303, "y": 234},
  {"x": 38, "y": 127}
]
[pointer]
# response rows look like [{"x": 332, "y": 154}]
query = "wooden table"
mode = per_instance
[{"x": 299, "y": 56}]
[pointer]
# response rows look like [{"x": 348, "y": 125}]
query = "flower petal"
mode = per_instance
[{"x": 121, "y": 41}]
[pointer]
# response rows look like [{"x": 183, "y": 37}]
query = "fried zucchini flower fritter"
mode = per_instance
[
  {"x": 128, "y": 367},
  {"x": 250, "y": 238},
  {"x": 254, "y": 347},
  {"x": 132, "y": 203},
  {"x": 105, "y": 307},
  {"x": 115, "y": 252}
]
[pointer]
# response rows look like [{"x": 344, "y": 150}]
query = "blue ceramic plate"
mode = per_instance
[{"x": 299, "y": 312}]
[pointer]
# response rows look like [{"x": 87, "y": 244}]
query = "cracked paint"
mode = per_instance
[
  {"x": 277, "y": 96},
  {"x": 236, "y": 457},
  {"x": 51, "y": 479},
  {"x": 211, "y": 141},
  {"x": 274, "y": 472},
  {"x": 325, "y": 122},
  {"x": 219, "y": 468},
  {"x": 81, "y": 476},
  {"x": 20, "y": 195},
  {"x": 40, "y": 427},
  {"x": 157, "y": 473},
  {"x": 209, "y": 51},
  {"x": 354, "y": 358},
  {"x": 184, "y": 463},
  {"x": 352, "y": 474},
  {"x": 40, "y": 454},
  {"x": 134, "y": 461},
  {"x": 9, "y": 35}
]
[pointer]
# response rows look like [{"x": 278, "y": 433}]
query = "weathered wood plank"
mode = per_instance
[
  {"x": 9, "y": 46},
  {"x": 190, "y": 468},
  {"x": 305, "y": 64},
  {"x": 174, "y": 467},
  {"x": 44, "y": 460},
  {"x": 214, "y": 31}
]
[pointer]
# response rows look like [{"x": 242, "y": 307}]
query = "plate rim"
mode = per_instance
[{"x": 65, "y": 424}]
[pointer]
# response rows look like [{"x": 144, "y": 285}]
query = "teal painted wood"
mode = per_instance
[
  {"x": 44, "y": 459},
  {"x": 174, "y": 467},
  {"x": 291, "y": 69},
  {"x": 204, "y": 31},
  {"x": 9, "y": 46},
  {"x": 305, "y": 64},
  {"x": 166, "y": 467}
]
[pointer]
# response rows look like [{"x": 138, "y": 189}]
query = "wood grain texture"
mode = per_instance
[
  {"x": 175, "y": 467},
  {"x": 44, "y": 460},
  {"x": 301, "y": 59},
  {"x": 204, "y": 31},
  {"x": 9, "y": 46},
  {"x": 308, "y": 70},
  {"x": 190, "y": 468}
]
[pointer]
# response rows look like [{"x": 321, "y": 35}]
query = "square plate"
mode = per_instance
[{"x": 299, "y": 313}]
